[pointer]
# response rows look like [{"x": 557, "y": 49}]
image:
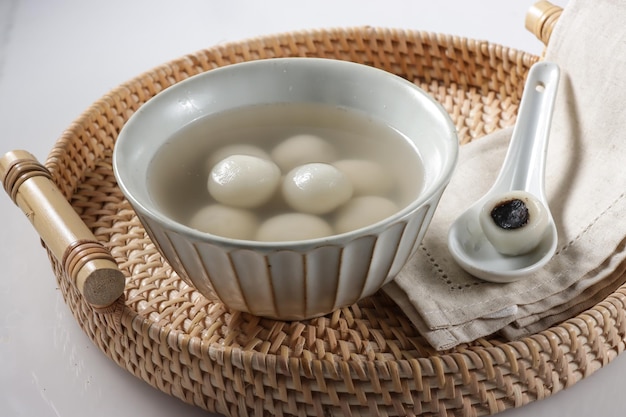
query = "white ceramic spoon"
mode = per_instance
[{"x": 523, "y": 169}]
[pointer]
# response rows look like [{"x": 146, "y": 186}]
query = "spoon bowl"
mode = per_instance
[
  {"x": 523, "y": 169},
  {"x": 475, "y": 254}
]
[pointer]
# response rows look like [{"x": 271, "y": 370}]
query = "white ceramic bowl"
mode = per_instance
[{"x": 300, "y": 279}]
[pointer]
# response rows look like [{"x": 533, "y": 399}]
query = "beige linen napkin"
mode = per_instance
[{"x": 585, "y": 184}]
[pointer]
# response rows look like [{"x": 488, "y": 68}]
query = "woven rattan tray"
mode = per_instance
[{"x": 363, "y": 360}]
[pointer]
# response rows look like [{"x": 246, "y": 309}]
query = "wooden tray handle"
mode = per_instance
[
  {"x": 88, "y": 264},
  {"x": 541, "y": 19}
]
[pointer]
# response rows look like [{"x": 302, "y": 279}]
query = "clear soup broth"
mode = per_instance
[{"x": 178, "y": 174}]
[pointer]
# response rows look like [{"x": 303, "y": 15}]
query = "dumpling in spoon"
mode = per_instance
[{"x": 514, "y": 222}]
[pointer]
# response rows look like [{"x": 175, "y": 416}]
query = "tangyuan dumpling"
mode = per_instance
[
  {"x": 316, "y": 188},
  {"x": 367, "y": 177},
  {"x": 293, "y": 226},
  {"x": 243, "y": 181},
  {"x": 363, "y": 211},
  {"x": 236, "y": 149},
  {"x": 225, "y": 221},
  {"x": 302, "y": 149},
  {"x": 514, "y": 223}
]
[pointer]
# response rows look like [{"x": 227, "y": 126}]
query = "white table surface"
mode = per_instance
[{"x": 59, "y": 56}]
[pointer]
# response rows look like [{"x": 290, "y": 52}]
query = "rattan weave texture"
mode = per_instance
[{"x": 363, "y": 360}]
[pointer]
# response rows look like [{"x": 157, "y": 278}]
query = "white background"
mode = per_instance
[{"x": 59, "y": 56}]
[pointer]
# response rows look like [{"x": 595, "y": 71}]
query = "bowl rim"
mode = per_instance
[{"x": 422, "y": 199}]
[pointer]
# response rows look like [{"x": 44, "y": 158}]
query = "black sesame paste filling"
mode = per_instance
[{"x": 510, "y": 214}]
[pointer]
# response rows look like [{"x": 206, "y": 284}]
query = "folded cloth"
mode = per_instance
[{"x": 585, "y": 185}]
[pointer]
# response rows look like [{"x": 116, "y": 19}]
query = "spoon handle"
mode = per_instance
[{"x": 524, "y": 164}]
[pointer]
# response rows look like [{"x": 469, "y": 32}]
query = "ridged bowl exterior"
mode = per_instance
[{"x": 290, "y": 284}]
